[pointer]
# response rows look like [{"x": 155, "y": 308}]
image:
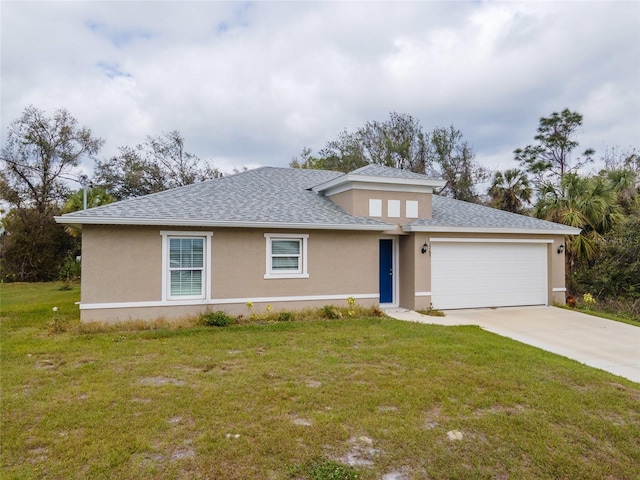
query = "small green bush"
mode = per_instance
[
  {"x": 285, "y": 316},
  {"x": 329, "y": 311},
  {"x": 216, "y": 319},
  {"x": 323, "y": 469},
  {"x": 70, "y": 269}
]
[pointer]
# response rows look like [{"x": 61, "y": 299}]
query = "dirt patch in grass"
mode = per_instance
[
  {"x": 360, "y": 452},
  {"x": 303, "y": 422},
  {"x": 500, "y": 409},
  {"x": 161, "y": 381}
]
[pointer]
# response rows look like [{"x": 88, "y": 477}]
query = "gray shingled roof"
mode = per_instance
[
  {"x": 448, "y": 213},
  {"x": 374, "y": 170},
  {"x": 265, "y": 195},
  {"x": 283, "y": 197}
]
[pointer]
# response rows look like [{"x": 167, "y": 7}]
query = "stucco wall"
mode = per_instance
[
  {"x": 557, "y": 272},
  {"x": 124, "y": 264},
  {"x": 356, "y": 202},
  {"x": 338, "y": 263},
  {"x": 407, "y": 271},
  {"x": 121, "y": 264}
]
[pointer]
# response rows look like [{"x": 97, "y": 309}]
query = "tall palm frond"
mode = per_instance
[{"x": 510, "y": 190}]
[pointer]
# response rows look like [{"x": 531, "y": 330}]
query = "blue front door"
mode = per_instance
[{"x": 386, "y": 270}]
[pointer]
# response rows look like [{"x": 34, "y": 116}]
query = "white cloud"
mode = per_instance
[{"x": 253, "y": 83}]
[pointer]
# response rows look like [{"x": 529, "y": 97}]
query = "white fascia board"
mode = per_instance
[
  {"x": 491, "y": 240},
  {"x": 526, "y": 231},
  {"x": 67, "y": 220},
  {"x": 348, "y": 181},
  {"x": 219, "y": 224},
  {"x": 378, "y": 187}
]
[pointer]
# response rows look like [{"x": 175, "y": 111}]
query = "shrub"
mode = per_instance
[
  {"x": 323, "y": 469},
  {"x": 70, "y": 269},
  {"x": 329, "y": 311},
  {"x": 285, "y": 316},
  {"x": 59, "y": 324},
  {"x": 615, "y": 273},
  {"x": 588, "y": 299},
  {"x": 216, "y": 319}
]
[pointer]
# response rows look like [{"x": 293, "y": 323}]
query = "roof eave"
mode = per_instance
[
  {"x": 372, "y": 179},
  {"x": 233, "y": 224},
  {"x": 498, "y": 230}
]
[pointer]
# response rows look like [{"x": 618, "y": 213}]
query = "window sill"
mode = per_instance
[
  {"x": 185, "y": 297},
  {"x": 269, "y": 276}
]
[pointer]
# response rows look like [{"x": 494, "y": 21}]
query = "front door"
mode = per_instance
[{"x": 386, "y": 270}]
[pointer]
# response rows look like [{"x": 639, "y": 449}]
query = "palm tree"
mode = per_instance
[
  {"x": 626, "y": 185},
  {"x": 510, "y": 190},
  {"x": 588, "y": 203},
  {"x": 96, "y": 196}
]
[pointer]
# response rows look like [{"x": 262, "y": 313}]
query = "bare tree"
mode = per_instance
[
  {"x": 453, "y": 160},
  {"x": 157, "y": 164},
  {"x": 39, "y": 151}
]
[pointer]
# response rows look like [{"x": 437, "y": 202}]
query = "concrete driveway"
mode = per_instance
[{"x": 597, "y": 342}]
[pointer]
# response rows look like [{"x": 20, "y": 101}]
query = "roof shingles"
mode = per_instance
[
  {"x": 283, "y": 197},
  {"x": 264, "y": 195},
  {"x": 451, "y": 213}
]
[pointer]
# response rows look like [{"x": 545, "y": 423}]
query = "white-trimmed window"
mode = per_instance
[
  {"x": 286, "y": 255},
  {"x": 186, "y": 274}
]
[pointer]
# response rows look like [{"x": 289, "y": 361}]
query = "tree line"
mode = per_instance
[
  {"x": 41, "y": 153},
  {"x": 548, "y": 184},
  {"x": 38, "y": 161}
]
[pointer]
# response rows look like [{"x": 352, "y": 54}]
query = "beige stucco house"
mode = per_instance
[{"x": 294, "y": 238}]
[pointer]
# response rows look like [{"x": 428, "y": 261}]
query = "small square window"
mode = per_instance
[{"x": 286, "y": 256}]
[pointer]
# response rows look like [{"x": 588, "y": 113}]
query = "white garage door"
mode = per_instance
[{"x": 474, "y": 275}]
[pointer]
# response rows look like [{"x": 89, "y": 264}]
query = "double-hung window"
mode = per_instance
[
  {"x": 185, "y": 271},
  {"x": 286, "y": 255},
  {"x": 186, "y": 266}
]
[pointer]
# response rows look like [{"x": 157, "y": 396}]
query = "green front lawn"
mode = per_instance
[{"x": 300, "y": 400}]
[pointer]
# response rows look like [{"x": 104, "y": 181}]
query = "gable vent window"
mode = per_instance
[
  {"x": 375, "y": 207},
  {"x": 286, "y": 255},
  {"x": 412, "y": 209},
  {"x": 393, "y": 208}
]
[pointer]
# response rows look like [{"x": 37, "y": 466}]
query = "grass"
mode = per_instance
[
  {"x": 299, "y": 399},
  {"x": 432, "y": 312},
  {"x": 597, "y": 312}
]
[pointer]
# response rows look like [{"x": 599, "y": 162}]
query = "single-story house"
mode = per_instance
[{"x": 293, "y": 238}]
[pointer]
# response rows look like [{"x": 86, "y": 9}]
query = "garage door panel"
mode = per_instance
[{"x": 468, "y": 275}]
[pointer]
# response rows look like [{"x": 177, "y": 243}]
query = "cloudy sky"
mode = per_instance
[{"x": 252, "y": 83}]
